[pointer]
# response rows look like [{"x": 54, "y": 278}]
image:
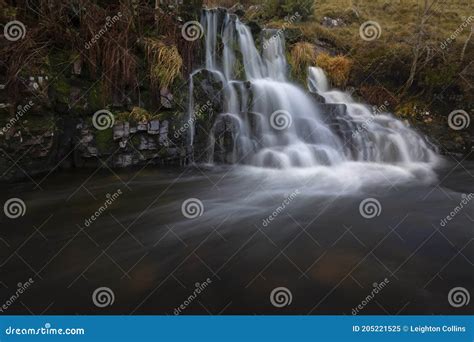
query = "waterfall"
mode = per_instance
[{"x": 277, "y": 124}]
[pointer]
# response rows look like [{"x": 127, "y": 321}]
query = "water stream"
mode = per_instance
[{"x": 280, "y": 125}]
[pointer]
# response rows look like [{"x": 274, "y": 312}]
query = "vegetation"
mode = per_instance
[
  {"x": 302, "y": 55},
  {"x": 121, "y": 53},
  {"x": 282, "y": 8},
  {"x": 164, "y": 61},
  {"x": 337, "y": 68},
  {"x": 421, "y": 59}
]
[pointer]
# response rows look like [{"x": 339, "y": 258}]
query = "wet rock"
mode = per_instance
[
  {"x": 318, "y": 98},
  {"x": 142, "y": 126},
  {"x": 166, "y": 98},
  {"x": 255, "y": 28},
  {"x": 146, "y": 143},
  {"x": 154, "y": 127},
  {"x": 164, "y": 141},
  {"x": 330, "y": 22},
  {"x": 77, "y": 67},
  {"x": 224, "y": 131},
  {"x": 123, "y": 160},
  {"x": 121, "y": 130},
  {"x": 237, "y": 9}
]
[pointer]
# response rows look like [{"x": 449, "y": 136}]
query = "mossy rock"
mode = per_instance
[
  {"x": 61, "y": 90},
  {"x": 104, "y": 140}
]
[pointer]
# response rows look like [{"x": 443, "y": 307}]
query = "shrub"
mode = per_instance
[
  {"x": 337, "y": 68},
  {"x": 164, "y": 62},
  {"x": 302, "y": 56},
  {"x": 282, "y": 8}
]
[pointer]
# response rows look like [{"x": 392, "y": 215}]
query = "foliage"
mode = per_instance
[
  {"x": 165, "y": 63},
  {"x": 137, "y": 114},
  {"x": 337, "y": 68},
  {"x": 104, "y": 140},
  {"x": 302, "y": 55},
  {"x": 283, "y": 8},
  {"x": 111, "y": 54}
]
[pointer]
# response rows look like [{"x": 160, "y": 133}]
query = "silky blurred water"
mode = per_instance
[{"x": 317, "y": 244}]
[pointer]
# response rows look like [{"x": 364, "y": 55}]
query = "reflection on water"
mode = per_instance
[{"x": 317, "y": 244}]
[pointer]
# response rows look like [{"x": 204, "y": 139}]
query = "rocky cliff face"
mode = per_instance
[{"x": 74, "y": 143}]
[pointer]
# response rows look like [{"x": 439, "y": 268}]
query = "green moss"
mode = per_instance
[
  {"x": 94, "y": 98},
  {"x": 104, "y": 140},
  {"x": 135, "y": 140},
  {"x": 62, "y": 89},
  {"x": 437, "y": 78}
]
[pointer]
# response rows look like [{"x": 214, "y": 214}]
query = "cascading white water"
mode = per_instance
[
  {"x": 389, "y": 139},
  {"x": 279, "y": 124}
]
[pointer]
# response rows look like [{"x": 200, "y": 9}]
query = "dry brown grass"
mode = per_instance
[
  {"x": 337, "y": 68},
  {"x": 165, "y": 63},
  {"x": 112, "y": 56},
  {"x": 302, "y": 55}
]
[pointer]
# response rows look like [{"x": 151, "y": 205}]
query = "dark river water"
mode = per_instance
[{"x": 256, "y": 231}]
